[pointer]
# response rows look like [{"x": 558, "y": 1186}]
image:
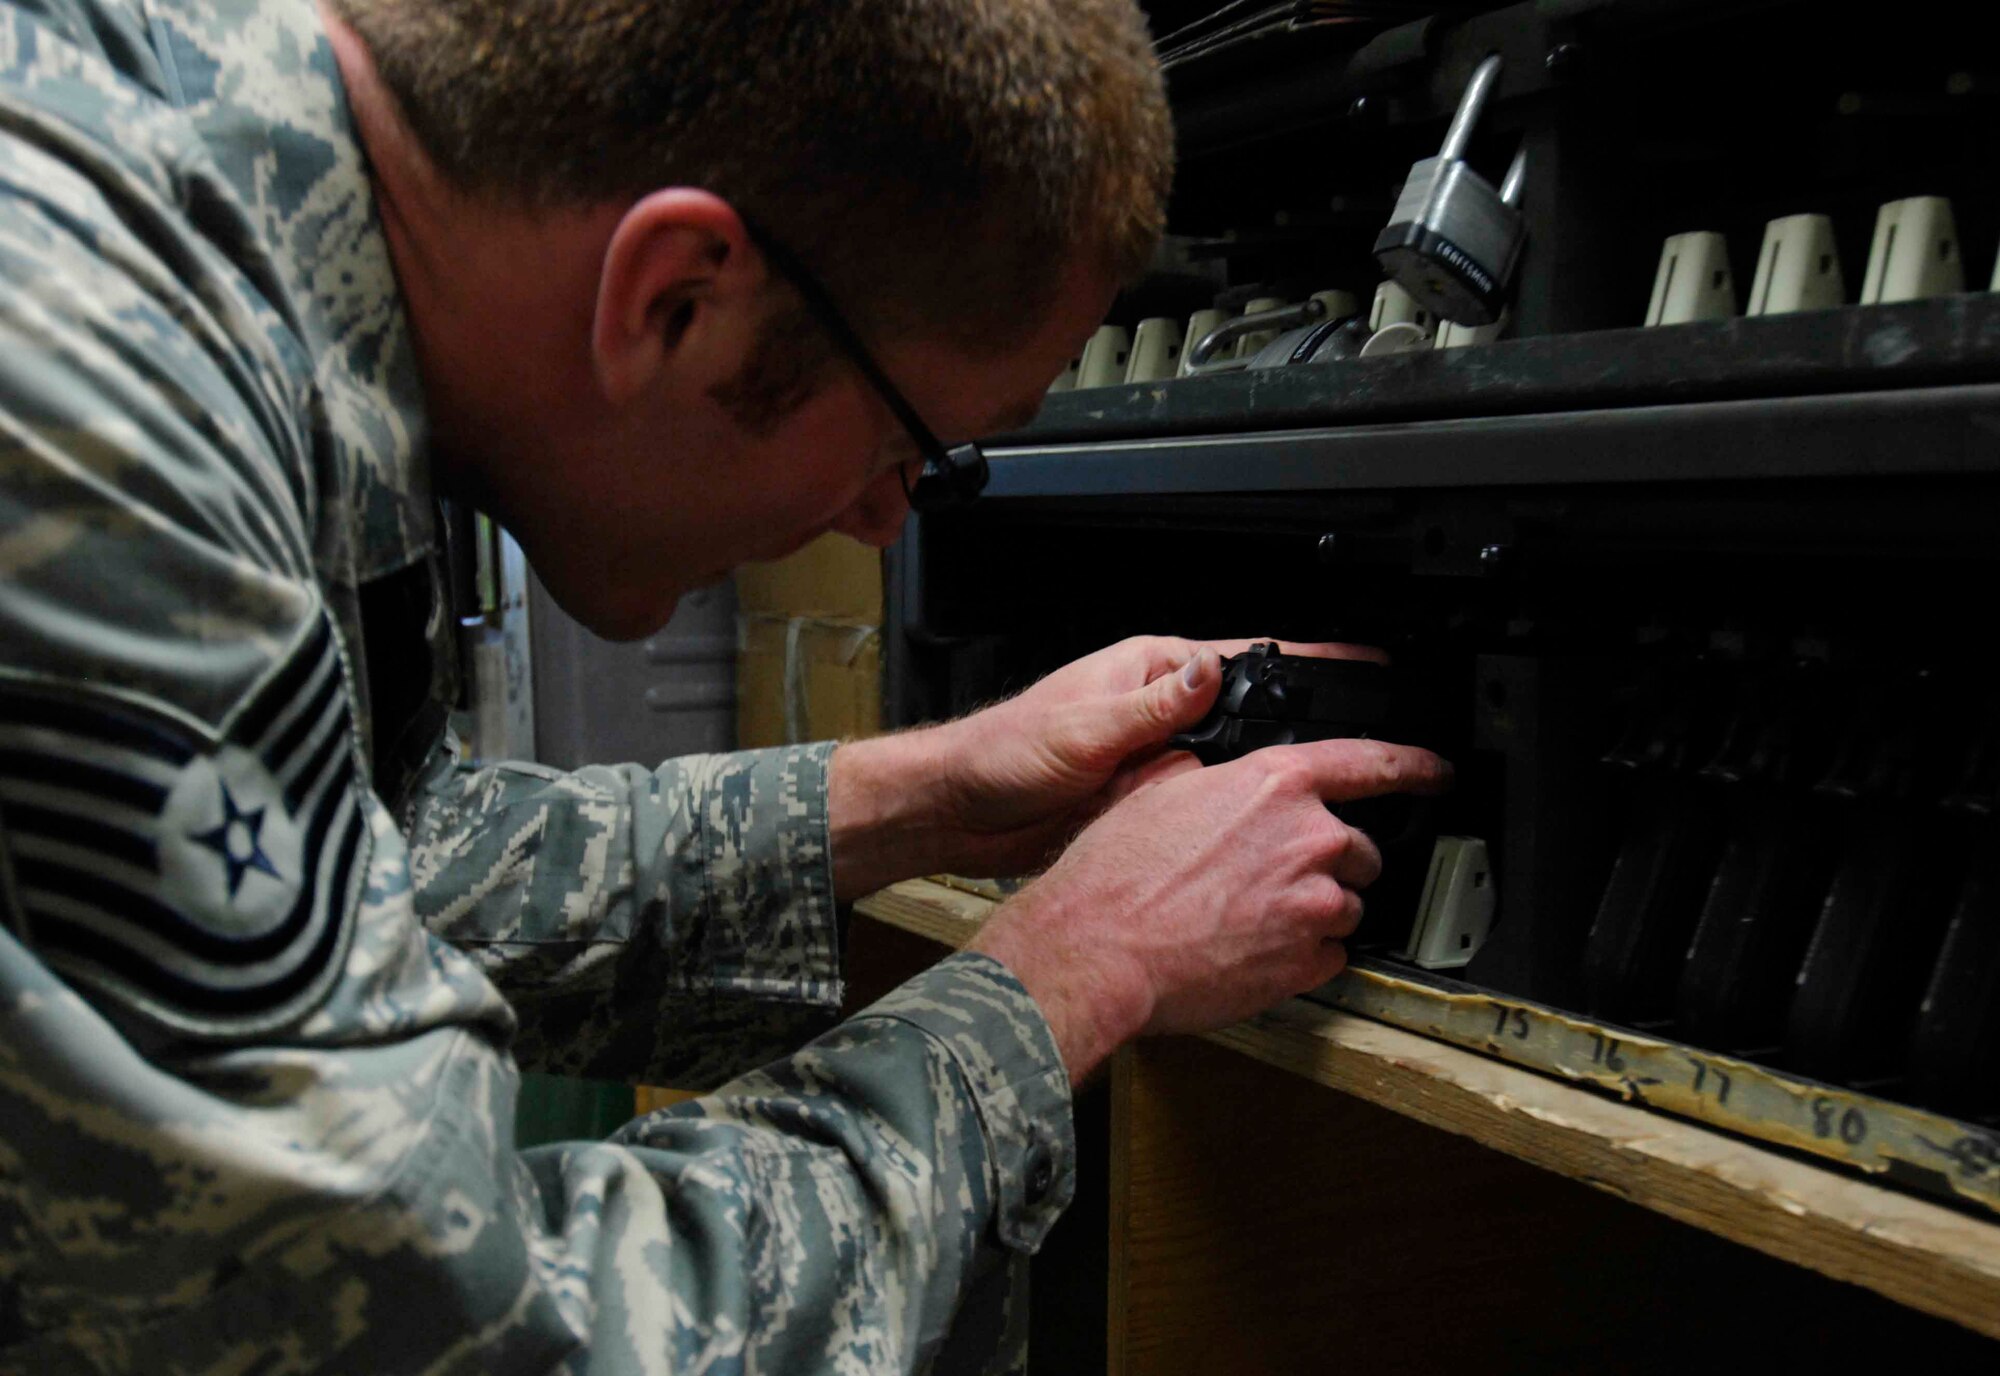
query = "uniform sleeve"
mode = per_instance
[
  {"x": 253, "y": 1115},
  {"x": 864, "y": 1205},
  {"x": 674, "y": 925},
  {"x": 179, "y": 786}
]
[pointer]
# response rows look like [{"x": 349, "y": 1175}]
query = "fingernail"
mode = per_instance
[{"x": 1196, "y": 669}]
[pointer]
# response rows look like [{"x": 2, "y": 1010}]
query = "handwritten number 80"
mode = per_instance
[{"x": 1851, "y": 1124}]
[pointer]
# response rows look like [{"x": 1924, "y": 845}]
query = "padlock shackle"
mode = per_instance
[
  {"x": 1484, "y": 77},
  {"x": 1517, "y": 172},
  {"x": 1201, "y": 353}
]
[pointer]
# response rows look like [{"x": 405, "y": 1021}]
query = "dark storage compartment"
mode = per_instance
[{"x": 1702, "y": 612}]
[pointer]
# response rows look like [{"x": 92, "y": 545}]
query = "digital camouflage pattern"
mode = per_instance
[{"x": 256, "y": 1075}]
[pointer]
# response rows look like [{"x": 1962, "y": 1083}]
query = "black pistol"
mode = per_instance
[{"x": 1269, "y": 698}]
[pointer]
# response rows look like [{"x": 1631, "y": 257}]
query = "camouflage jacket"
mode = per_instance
[{"x": 256, "y": 1075}]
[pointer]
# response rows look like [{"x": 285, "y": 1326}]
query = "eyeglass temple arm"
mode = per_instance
[{"x": 835, "y": 324}]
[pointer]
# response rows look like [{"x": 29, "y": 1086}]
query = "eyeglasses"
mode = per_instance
[{"x": 950, "y": 477}]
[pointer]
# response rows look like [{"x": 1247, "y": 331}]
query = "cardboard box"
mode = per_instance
[
  {"x": 834, "y": 578},
  {"x": 801, "y": 678}
]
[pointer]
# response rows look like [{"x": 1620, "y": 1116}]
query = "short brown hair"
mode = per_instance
[{"x": 936, "y": 162}]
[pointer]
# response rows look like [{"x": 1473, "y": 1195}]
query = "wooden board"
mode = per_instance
[
  {"x": 930, "y": 909},
  {"x": 1938, "y": 1156},
  {"x": 1264, "y": 1225},
  {"x": 1915, "y": 1252}
]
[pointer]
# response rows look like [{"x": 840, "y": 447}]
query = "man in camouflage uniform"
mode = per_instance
[{"x": 268, "y": 953}]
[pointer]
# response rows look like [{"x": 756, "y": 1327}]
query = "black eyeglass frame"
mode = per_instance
[{"x": 951, "y": 476}]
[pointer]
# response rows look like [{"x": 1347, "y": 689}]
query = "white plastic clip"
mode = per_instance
[
  {"x": 1401, "y": 337},
  {"x": 1156, "y": 350},
  {"x": 1798, "y": 268},
  {"x": 1693, "y": 281},
  {"x": 1104, "y": 357},
  {"x": 1915, "y": 253},
  {"x": 1339, "y": 304},
  {"x": 1395, "y": 306},
  {"x": 1452, "y": 335},
  {"x": 1200, "y": 325},
  {"x": 1456, "y": 910},
  {"x": 1066, "y": 379}
]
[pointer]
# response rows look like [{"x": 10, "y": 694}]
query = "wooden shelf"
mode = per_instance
[{"x": 1924, "y": 1255}]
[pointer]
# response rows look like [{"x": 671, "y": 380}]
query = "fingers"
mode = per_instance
[
  {"x": 1357, "y": 859},
  {"x": 1327, "y": 649},
  {"x": 1319, "y": 949},
  {"x": 1329, "y": 960},
  {"x": 1343, "y": 915},
  {"x": 1163, "y": 654},
  {"x": 1319, "y": 960},
  {"x": 1342, "y": 771},
  {"x": 1146, "y": 716}
]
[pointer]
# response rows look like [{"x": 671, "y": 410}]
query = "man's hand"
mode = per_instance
[
  {"x": 1204, "y": 899},
  {"x": 1001, "y": 791}
]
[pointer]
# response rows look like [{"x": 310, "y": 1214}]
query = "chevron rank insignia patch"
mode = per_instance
[{"x": 210, "y": 884}]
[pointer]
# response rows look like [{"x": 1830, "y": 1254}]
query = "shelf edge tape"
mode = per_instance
[{"x": 1853, "y": 1128}]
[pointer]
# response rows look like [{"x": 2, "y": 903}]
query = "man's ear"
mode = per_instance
[{"x": 679, "y": 286}]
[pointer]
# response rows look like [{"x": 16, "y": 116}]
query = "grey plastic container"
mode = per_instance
[{"x": 673, "y": 693}]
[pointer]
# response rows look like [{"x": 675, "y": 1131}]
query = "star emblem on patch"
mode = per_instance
[
  {"x": 212, "y": 880},
  {"x": 235, "y": 840},
  {"x": 231, "y": 848}
]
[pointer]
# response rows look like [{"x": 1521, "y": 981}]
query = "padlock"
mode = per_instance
[
  {"x": 1215, "y": 352},
  {"x": 1200, "y": 325},
  {"x": 1339, "y": 304},
  {"x": 1453, "y": 240},
  {"x": 1252, "y": 343}
]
